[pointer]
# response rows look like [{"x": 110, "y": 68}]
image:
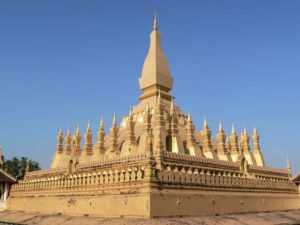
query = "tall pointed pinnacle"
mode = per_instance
[
  {"x": 68, "y": 132},
  {"x": 245, "y": 131},
  {"x": 155, "y": 21},
  {"x": 88, "y": 126},
  {"x": 255, "y": 137},
  {"x": 220, "y": 126},
  {"x": 78, "y": 130},
  {"x": 257, "y": 153},
  {"x": 233, "y": 130},
  {"x": 155, "y": 73},
  {"x": 246, "y": 145},
  {"x": 174, "y": 120},
  {"x": 221, "y": 142},
  {"x": 88, "y": 144},
  {"x": 255, "y": 130},
  {"x": 77, "y": 141},
  {"x": 113, "y": 136},
  {"x": 234, "y": 144},
  {"x": 60, "y": 139},
  {"x": 147, "y": 120},
  {"x": 101, "y": 123},
  {"x": 190, "y": 136},
  {"x": 206, "y": 140},
  {"x": 130, "y": 136},
  {"x": 189, "y": 119},
  {"x": 68, "y": 143},
  {"x": 227, "y": 143},
  {"x": 205, "y": 125},
  {"x": 288, "y": 164},
  {"x": 100, "y": 148},
  {"x": 114, "y": 123}
]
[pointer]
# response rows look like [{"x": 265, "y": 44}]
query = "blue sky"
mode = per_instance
[{"x": 64, "y": 62}]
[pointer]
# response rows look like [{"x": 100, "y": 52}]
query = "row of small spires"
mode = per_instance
[
  {"x": 114, "y": 124},
  {"x": 244, "y": 140}
]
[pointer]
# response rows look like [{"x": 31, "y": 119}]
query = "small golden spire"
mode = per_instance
[
  {"x": 101, "y": 121},
  {"x": 74, "y": 135},
  {"x": 255, "y": 130},
  {"x": 205, "y": 122},
  {"x": 172, "y": 104},
  {"x": 89, "y": 126},
  {"x": 245, "y": 131},
  {"x": 155, "y": 21},
  {"x": 189, "y": 117},
  {"x": 220, "y": 126},
  {"x": 288, "y": 164},
  {"x": 68, "y": 132},
  {"x": 114, "y": 120},
  {"x": 60, "y": 131},
  {"x": 78, "y": 128},
  {"x": 233, "y": 129}
]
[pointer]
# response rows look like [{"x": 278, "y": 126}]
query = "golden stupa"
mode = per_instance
[{"x": 154, "y": 163}]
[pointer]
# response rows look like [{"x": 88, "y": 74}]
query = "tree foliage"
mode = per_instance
[{"x": 17, "y": 166}]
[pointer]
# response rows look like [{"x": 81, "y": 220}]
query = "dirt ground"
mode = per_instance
[{"x": 289, "y": 217}]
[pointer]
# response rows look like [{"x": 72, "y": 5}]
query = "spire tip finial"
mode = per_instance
[
  {"x": 205, "y": 126},
  {"x": 288, "y": 162},
  {"x": 115, "y": 119},
  {"x": 89, "y": 125},
  {"x": 255, "y": 129},
  {"x": 155, "y": 21},
  {"x": 101, "y": 121},
  {"x": 189, "y": 118},
  {"x": 220, "y": 125},
  {"x": 232, "y": 128}
]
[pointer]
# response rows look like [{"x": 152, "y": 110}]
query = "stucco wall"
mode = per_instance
[
  {"x": 102, "y": 205},
  {"x": 161, "y": 204},
  {"x": 179, "y": 203}
]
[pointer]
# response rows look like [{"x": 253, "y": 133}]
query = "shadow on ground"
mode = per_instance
[{"x": 278, "y": 218}]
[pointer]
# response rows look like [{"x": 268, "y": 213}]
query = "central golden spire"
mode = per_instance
[
  {"x": 155, "y": 21},
  {"x": 155, "y": 73}
]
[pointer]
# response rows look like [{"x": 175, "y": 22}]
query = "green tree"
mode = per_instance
[{"x": 17, "y": 166}]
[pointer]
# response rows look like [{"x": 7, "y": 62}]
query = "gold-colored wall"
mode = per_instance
[
  {"x": 178, "y": 203},
  {"x": 159, "y": 204},
  {"x": 100, "y": 205}
]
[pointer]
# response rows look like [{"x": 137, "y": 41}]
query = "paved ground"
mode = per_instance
[{"x": 278, "y": 218}]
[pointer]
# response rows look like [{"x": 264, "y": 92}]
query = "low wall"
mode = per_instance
[
  {"x": 132, "y": 205},
  {"x": 162, "y": 203},
  {"x": 188, "y": 203}
]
